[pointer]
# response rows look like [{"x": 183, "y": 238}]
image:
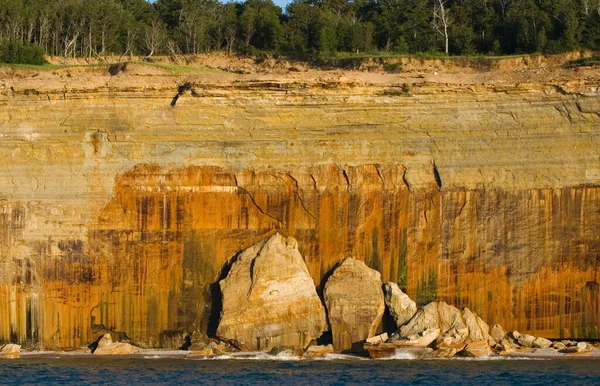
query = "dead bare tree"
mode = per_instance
[
  {"x": 441, "y": 21},
  {"x": 154, "y": 36}
]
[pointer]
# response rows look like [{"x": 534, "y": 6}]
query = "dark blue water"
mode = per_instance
[{"x": 180, "y": 371}]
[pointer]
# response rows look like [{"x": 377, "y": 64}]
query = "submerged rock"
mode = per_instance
[
  {"x": 106, "y": 346},
  {"x": 269, "y": 298},
  {"x": 355, "y": 303},
  {"x": 10, "y": 351},
  {"x": 401, "y": 307}
]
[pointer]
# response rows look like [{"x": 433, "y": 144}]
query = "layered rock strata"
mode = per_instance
[
  {"x": 269, "y": 298},
  {"x": 354, "y": 301},
  {"x": 118, "y": 211}
]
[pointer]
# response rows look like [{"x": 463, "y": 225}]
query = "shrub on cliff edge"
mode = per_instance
[{"x": 18, "y": 53}]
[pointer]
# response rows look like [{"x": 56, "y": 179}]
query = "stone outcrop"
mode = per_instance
[
  {"x": 118, "y": 210},
  {"x": 269, "y": 298},
  {"x": 436, "y": 316},
  {"x": 497, "y": 333},
  {"x": 443, "y": 326},
  {"x": 106, "y": 346},
  {"x": 355, "y": 303},
  {"x": 10, "y": 351},
  {"x": 399, "y": 304}
]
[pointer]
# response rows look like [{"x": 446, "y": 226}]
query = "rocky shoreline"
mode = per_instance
[{"x": 271, "y": 309}]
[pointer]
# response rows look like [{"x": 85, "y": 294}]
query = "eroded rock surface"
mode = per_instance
[
  {"x": 269, "y": 298},
  {"x": 355, "y": 303},
  {"x": 106, "y": 346},
  {"x": 400, "y": 305},
  {"x": 10, "y": 351}
]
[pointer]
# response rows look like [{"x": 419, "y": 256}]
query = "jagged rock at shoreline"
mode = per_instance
[
  {"x": 478, "y": 329},
  {"x": 269, "y": 298},
  {"x": 10, "y": 351},
  {"x": 497, "y": 333},
  {"x": 319, "y": 351},
  {"x": 477, "y": 349},
  {"x": 400, "y": 305},
  {"x": 355, "y": 303},
  {"x": 436, "y": 315},
  {"x": 526, "y": 340},
  {"x": 106, "y": 346},
  {"x": 540, "y": 342}
]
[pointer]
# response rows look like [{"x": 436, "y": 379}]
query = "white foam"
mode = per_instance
[
  {"x": 337, "y": 357},
  {"x": 399, "y": 355}
]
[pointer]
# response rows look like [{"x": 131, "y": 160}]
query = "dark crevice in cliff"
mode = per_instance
[
  {"x": 405, "y": 180},
  {"x": 436, "y": 175},
  {"x": 379, "y": 174},
  {"x": 217, "y": 297},
  {"x": 187, "y": 86},
  {"x": 261, "y": 210}
]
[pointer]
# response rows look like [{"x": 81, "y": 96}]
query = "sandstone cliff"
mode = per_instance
[{"x": 118, "y": 211}]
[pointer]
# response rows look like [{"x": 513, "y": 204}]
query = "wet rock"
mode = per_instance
[
  {"x": 10, "y": 351},
  {"x": 401, "y": 307},
  {"x": 269, "y": 298},
  {"x": 497, "y": 333},
  {"x": 526, "y": 340},
  {"x": 202, "y": 353},
  {"x": 289, "y": 352},
  {"x": 541, "y": 343},
  {"x": 477, "y": 349},
  {"x": 355, "y": 303},
  {"x": 444, "y": 352},
  {"x": 106, "y": 346},
  {"x": 319, "y": 351}
]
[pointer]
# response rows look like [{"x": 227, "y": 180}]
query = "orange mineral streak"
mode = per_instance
[{"x": 525, "y": 259}]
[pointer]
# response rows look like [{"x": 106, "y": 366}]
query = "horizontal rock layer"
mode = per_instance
[{"x": 481, "y": 196}]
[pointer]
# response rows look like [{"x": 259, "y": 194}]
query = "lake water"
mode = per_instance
[{"x": 160, "y": 370}]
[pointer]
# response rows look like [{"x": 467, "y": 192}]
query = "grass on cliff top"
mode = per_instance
[
  {"x": 173, "y": 68},
  {"x": 179, "y": 69}
]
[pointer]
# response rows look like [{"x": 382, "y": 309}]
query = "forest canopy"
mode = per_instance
[{"x": 312, "y": 28}]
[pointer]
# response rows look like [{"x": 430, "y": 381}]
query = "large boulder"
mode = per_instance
[
  {"x": 401, "y": 307},
  {"x": 355, "y": 303},
  {"x": 106, "y": 346},
  {"x": 269, "y": 298}
]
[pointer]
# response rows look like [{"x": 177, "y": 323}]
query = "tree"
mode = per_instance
[
  {"x": 441, "y": 21},
  {"x": 155, "y": 35}
]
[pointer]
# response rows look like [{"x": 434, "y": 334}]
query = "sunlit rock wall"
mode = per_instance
[{"x": 118, "y": 211}]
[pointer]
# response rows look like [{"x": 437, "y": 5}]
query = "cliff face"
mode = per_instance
[{"x": 118, "y": 211}]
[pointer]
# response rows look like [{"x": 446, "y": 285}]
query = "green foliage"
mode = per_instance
[
  {"x": 316, "y": 28},
  {"x": 18, "y": 53}
]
